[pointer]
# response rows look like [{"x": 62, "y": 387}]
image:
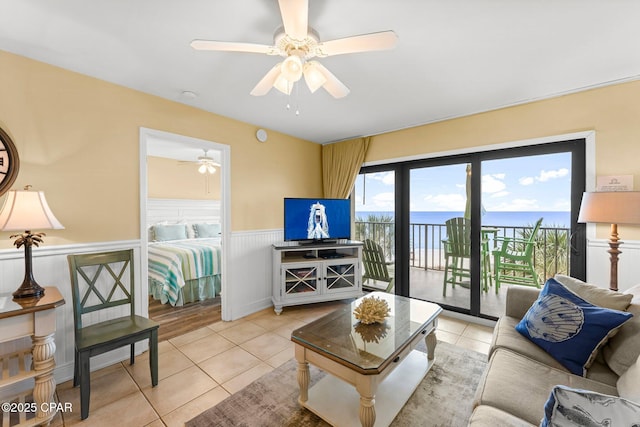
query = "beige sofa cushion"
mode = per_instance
[
  {"x": 596, "y": 295},
  {"x": 505, "y": 336},
  {"x": 622, "y": 350},
  {"x": 489, "y": 416},
  {"x": 629, "y": 383},
  {"x": 520, "y": 386}
]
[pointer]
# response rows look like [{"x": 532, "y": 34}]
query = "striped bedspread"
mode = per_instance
[{"x": 172, "y": 263}]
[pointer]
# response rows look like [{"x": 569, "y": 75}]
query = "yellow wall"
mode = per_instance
[
  {"x": 78, "y": 141},
  {"x": 172, "y": 179},
  {"x": 613, "y": 112}
]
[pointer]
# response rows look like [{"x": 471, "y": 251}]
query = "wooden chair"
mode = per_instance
[
  {"x": 376, "y": 267},
  {"x": 513, "y": 261},
  {"x": 457, "y": 253},
  {"x": 99, "y": 281}
]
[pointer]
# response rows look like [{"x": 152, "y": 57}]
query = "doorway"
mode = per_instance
[{"x": 184, "y": 149}]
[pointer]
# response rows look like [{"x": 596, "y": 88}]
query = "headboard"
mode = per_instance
[{"x": 182, "y": 210}]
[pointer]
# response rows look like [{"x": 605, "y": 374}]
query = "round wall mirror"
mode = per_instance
[{"x": 9, "y": 162}]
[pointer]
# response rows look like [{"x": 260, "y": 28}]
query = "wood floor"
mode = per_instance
[{"x": 176, "y": 321}]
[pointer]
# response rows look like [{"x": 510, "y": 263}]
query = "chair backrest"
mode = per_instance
[
  {"x": 531, "y": 239},
  {"x": 525, "y": 245},
  {"x": 99, "y": 281},
  {"x": 458, "y": 236},
  {"x": 534, "y": 232},
  {"x": 375, "y": 266}
]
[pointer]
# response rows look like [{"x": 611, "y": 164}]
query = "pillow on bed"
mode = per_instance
[
  {"x": 207, "y": 230},
  {"x": 170, "y": 232},
  {"x": 191, "y": 232}
]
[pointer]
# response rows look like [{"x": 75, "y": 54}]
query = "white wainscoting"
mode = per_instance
[
  {"x": 250, "y": 267},
  {"x": 599, "y": 265}
]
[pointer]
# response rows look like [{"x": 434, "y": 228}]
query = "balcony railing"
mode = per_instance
[{"x": 551, "y": 252}]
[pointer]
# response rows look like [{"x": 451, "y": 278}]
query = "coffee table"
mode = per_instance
[{"x": 373, "y": 369}]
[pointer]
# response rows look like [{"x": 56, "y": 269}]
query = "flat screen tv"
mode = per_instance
[{"x": 317, "y": 220}]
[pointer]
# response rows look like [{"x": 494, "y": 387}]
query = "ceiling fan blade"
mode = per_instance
[
  {"x": 362, "y": 43},
  {"x": 295, "y": 18},
  {"x": 233, "y": 47},
  {"x": 335, "y": 87},
  {"x": 265, "y": 85}
]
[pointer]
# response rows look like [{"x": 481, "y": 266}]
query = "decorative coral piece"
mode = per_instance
[
  {"x": 372, "y": 333},
  {"x": 372, "y": 310}
]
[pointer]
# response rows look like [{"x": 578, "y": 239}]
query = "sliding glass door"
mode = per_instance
[
  {"x": 375, "y": 225},
  {"x": 449, "y": 222},
  {"x": 526, "y": 222},
  {"x": 440, "y": 246}
]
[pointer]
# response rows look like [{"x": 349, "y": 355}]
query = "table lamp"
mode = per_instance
[
  {"x": 611, "y": 207},
  {"x": 27, "y": 210}
]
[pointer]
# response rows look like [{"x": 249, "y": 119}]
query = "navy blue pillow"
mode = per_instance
[{"x": 569, "y": 328}]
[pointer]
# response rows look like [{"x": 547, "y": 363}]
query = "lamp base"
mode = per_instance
[{"x": 29, "y": 289}]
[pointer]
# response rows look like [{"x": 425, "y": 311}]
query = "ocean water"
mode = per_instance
[{"x": 510, "y": 219}]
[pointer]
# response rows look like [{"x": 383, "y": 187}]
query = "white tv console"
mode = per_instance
[{"x": 308, "y": 273}]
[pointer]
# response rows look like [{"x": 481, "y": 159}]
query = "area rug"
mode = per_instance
[{"x": 443, "y": 398}]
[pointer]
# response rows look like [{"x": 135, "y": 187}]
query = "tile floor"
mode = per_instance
[{"x": 203, "y": 367}]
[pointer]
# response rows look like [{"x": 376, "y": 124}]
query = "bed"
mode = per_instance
[
  {"x": 184, "y": 271},
  {"x": 184, "y": 258}
]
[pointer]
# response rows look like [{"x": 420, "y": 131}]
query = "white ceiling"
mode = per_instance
[{"x": 453, "y": 58}]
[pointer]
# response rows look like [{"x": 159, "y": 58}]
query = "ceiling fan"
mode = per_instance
[
  {"x": 299, "y": 44},
  {"x": 207, "y": 164}
]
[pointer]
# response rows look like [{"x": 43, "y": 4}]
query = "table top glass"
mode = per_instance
[{"x": 340, "y": 336}]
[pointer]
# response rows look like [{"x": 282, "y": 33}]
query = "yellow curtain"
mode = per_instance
[{"x": 340, "y": 166}]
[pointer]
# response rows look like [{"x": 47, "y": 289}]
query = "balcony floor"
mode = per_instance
[{"x": 427, "y": 285}]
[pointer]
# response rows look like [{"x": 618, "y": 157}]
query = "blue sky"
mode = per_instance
[{"x": 534, "y": 183}]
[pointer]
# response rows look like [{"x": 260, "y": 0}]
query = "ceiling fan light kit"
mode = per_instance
[
  {"x": 283, "y": 85},
  {"x": 206, "y": 164},
  {"x": 204, "y": 168},
  {"x": 313, "y": 77},
  {"x": 291, "y": 68},
  {"x": 298, "y": 44}
]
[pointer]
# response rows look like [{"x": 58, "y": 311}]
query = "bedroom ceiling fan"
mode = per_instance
[
  {"x": 299, "y": 44},
  {"x": 206, "y": 163}
]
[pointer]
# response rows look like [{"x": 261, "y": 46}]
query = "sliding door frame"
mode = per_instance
[{"x": 580, "y": 145}]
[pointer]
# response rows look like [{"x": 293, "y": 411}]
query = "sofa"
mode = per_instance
[{"x": 520, "y": 375}]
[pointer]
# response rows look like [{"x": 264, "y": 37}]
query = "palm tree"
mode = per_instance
[
  {"x": 379, "y": 228},
  {"x": 551, "y": 251}
]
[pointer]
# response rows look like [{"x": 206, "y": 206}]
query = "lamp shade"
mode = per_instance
[
  {"x": 27, "y": 210},
  {"x": 610, "y": 207}
]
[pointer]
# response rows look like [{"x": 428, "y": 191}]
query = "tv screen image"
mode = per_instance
[{"x": 317, "y": 219}]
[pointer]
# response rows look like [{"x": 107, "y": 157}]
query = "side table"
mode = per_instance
[{"x": 35, "y": 318}]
